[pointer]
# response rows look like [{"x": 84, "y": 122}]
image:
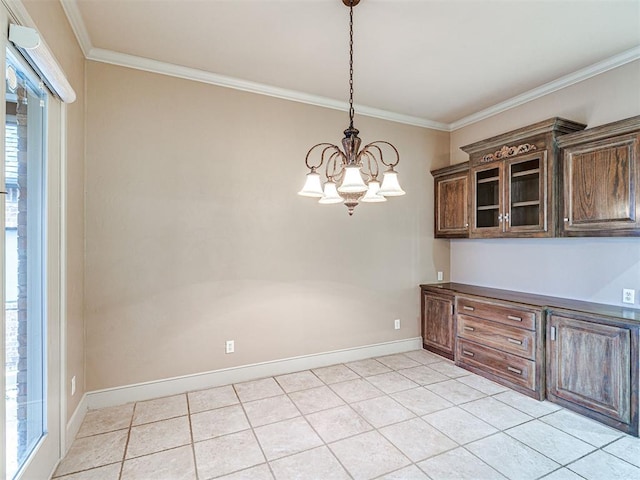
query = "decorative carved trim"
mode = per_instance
[{"x": 506, "y": 152}]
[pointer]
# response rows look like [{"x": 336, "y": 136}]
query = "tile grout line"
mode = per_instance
[
  {"x": 324, "y": 443},
  {"x": 303, "y": 416},
  {"x": 193, "y": 446},
  {"x": 126, "y": 445},
  {"x": 244, "y": 411}
]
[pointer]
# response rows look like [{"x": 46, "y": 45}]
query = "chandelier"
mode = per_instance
[{"x": 344, "y": 169}]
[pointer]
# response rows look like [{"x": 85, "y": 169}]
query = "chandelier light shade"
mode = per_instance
[
  {"x": 390, "y": 186},
  {"x": 351, "y": 173},
  {"x": 312, "y": 186}
]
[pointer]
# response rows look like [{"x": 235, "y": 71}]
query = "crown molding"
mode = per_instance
[
  {"x": 19, "y": 13},
  {"x": 154, "y": 66},
  {"x": 107, "y": 56},
  {"x": 610, "y": 63},
  {"x": 74, "y": 16}
]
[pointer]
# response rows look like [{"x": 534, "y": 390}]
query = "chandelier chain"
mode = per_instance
[
  {"x": 344, "y": 168},
  {"x": 351, "y": 109}
]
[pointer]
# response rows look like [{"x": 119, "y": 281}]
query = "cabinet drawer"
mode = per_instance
[
  {"x": 510, "y": 367},
  {"x": 506, "y": 314},
  {"x": 502, "y": 337}
]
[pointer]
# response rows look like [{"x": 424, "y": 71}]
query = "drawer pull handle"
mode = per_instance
[
  {"x": 471, "y": 329},
  {"x": 514, "y": 318},
  {"x": 515, "y": 370},
  {"x": 513, "y": 340},
  {"x": 465, "y": 307},
  {"x": 466, "y": 352}
]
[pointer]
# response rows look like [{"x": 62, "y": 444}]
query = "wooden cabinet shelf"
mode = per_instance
[
  {"x": 525, "y": 204},
  {"x": 488, "y": 207},
  {"x": 535, "y": 171},
  {"x": 488, "y": 180}
]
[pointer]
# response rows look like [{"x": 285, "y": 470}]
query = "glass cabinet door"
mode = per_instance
[
  {"x": 526, "y": 190},
  {"x": 487, "y": 199}
]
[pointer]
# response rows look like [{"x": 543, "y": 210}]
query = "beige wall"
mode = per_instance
[
  {"x": 195, "y": 234},
  {"x": 53, "y": 26},
  {"x": 588, "y": 269}
]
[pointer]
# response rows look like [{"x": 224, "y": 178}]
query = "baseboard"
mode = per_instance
[
  {"x": 173, "y": 386},
  {"x": 74, "y": 423}
]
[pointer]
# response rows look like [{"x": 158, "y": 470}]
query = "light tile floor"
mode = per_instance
[{"x": 407, "y": 416}]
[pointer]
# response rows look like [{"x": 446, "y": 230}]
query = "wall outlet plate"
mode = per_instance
[
  {"x": 628, "y": 295},
  {"x": 230, "y": 346},
  {"x": 440, "y": 276},
  {"x": 73, "y": 385},
  {"x": 396, "y": 324}
]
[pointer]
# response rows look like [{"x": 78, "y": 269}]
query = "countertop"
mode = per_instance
[{"x": 550, "y": 303}]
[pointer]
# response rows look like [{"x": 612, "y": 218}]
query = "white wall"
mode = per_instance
[
  {"x": 591, "y": 269},
  {"x": 195, "y": 234}
]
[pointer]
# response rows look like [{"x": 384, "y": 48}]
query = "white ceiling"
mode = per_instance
[{"x": 440, "y": 63}]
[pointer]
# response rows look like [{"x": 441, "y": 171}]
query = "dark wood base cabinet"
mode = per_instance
[
  {"x": 438, "y": 330},
  {"x": 583, "y": 356},
  {"x": 592, "y": 367},
  {"x": 503, "y": 342}
]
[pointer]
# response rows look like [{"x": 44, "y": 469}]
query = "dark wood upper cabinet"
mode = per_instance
[
  {"x": 601, "y": 180},
  {"x": 513, "y": 181},
  {"x": 451, "y": 187}
]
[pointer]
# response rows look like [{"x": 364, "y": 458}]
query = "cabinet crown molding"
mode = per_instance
[
  {"x": 555, "y": 124},
  {"x": 451, "y": 169},
  {"x": 613, "y": 129}
]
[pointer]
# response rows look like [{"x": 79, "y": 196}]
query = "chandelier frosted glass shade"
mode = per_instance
[
  {"x": 312, "y": 186},
  {"x": 352, "y": 182},
  {"x": 351, "y": 173},
  {"x": 390, "y": 186},
  {"x": 330, "y": 194},
  {"x": 373, "y": 193}
]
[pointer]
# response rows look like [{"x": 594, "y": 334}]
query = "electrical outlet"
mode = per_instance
[
  {"x": 440, "y": 276},
  {"x": 73, "y": 385},
  {"x": 628, "y": 295},
  {"x": 396, "y": 324},
  {"x": 230, "y": 347}
]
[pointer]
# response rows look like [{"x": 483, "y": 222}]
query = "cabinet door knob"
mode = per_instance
[
  {"x": 515, "y": 370},
  {"x": 470, "y": 329},
  {"x": 466, "y": 352},
  {"x": 514, "y": 318},
  {"x": 465, "y": 307},
  {"x": 506, "y": 217},
  {"x": 513, "y": 340},
  {"x": 566, "y": 219}
]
